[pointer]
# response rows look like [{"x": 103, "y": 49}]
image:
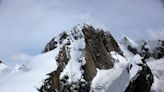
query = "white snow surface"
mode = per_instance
[
  {"x": 133, "y": 60},
  {"x": 2, "y": 66},
  {"x": 3, "y": 69},
  {"x": 30, "y": 77},
  {"x": 157, "y": 67},
  {"x": 117, "y": 78},
  {"x": 135, "y": 68}
]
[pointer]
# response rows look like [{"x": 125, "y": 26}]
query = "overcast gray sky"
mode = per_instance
[{"x": 27, "y": 25}]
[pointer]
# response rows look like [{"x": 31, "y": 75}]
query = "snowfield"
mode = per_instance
[
  {"x": 28, "y": 78},
  {"x": 157, "y": 67}
]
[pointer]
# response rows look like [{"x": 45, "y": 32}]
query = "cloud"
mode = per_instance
[
  {"x": 155, "y": 34},
  {"x": 20, "y": 58},
  {"x": 27, "y": 25}
]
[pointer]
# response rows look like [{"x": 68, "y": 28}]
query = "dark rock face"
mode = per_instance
[
  {"x": 142, "y": 81},
  {"x": 159, "y": 52},
  {"x": 98, "y": 46},
  {"x": 0, "y": 61},
  {"x": 50, "y": 46},
  {"x": 144, "y": 51},
  {"x": 133, "y": 50}
]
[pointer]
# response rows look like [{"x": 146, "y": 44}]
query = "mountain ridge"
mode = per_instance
[
  {"x": 83, "y": 59},
  {"x": 99, "y": 45}
]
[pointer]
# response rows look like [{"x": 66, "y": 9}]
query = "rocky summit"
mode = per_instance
[{"x": 85, "y": 54}]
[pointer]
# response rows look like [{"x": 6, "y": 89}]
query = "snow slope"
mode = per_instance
[
  {"x": 3, "y": 70},
  {"x": 157, "y": 67},
  {"x": 29, "y": 78},
  {"x": 2, "y": 66},
  {"x": 107, "y": 80},
  {"x": 117, "y": 78}
]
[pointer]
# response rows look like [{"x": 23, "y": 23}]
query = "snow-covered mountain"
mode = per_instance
[
  {"x": 83, "y": 59},
  {"x": 147, "y": 49}
]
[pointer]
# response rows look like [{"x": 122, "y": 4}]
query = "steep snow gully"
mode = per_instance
[{"x": 84, "y": 59}]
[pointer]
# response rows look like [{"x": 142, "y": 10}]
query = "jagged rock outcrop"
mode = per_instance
[
  {"x": 86, "y": 49},
  {"x": 53, "y": 83},
  {"x": 50, "y": 46},
  {"x": 142, "y": 81}
]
